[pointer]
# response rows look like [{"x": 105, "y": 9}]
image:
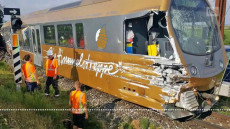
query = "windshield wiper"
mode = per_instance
[{"x": 209, "y": 61}]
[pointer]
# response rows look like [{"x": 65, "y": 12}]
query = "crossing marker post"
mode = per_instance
[{"x": 16, "y": 61}]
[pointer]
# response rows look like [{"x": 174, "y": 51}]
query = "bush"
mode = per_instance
[
  {"x": 152, "y": 126},
  {"x": 144, "y": 123},
  {"x": 227, "y": 37}
]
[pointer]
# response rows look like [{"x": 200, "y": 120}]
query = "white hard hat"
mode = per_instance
[
  {"x": 130, "y": 25},
  {"x": 49, "y": 53}
]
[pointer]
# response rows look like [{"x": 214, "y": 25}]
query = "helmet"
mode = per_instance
[
  {"x": 49, "y": 53},
  {"x": 130, "y": 25}
]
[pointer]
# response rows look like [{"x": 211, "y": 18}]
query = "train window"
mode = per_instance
[
  {"x": 33, "y": 35},
  {"x": 26, "y": 39},
  {"x": 65, "y": 35},
  {"x": 80, "y": 35},
  {"x": 38, "y": 40},
  {"x": 147, "y": 36},
  {"x": 49, "y": 34}
]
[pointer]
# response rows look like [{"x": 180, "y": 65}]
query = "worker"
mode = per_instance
[
  {"x": 70, "y": 42},
  {"x": 129, "y": 39},
  {"x": 62, "y": 41},
  {"x": 77, "y": 101},
  {"x": 82, "y": 45},
  {"x": 29, "y": 72},
  {"x": 51, "y": 73}
]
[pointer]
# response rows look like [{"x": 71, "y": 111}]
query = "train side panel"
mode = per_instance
[{"x": 124, "y": 76}]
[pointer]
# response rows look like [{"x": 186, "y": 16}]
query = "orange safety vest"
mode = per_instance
[
  {"x": 77, "y": 99},
  {"x": 51, "y": 65},
  {"x": 28, "y": 70}
]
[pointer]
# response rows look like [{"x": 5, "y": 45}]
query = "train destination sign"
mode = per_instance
[{"x": 11, "y": 11}]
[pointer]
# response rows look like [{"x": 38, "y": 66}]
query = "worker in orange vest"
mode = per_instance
[
  {"x": 29, "y": 72},
  {"x": 51, "y": 73},
  {"x": 77, "y": 101}
]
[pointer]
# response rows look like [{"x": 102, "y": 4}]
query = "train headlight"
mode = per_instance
[
  {"x": 217, "y": 98},
  {"x": 221, "y": 64},
  {"x": 193, "y": 70}
]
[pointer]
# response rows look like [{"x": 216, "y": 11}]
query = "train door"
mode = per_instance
[{"x": 36, "y": 41}]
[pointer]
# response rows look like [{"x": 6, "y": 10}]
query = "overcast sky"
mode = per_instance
[{"x": 28, "y": 6}]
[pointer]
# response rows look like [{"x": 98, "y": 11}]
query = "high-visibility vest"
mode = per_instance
[
  {"x": 51, "y": 65},
  {"x": 28, "y": 70},
  {"x": 77, "y": 99}
]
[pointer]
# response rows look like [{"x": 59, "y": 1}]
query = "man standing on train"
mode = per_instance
[
  {"x": 51, "y": 73},
  {"x": 29, "y": 72}
]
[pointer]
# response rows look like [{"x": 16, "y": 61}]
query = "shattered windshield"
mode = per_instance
[{"x": 195, "y": 26}]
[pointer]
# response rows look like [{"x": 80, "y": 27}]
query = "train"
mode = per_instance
[{"x": 166, "y": 55}]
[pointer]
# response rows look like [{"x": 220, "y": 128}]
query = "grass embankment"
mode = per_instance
[
  {"x": 224, "y": 102},
  {"x": 10, "y": 98},
  {"x": 227, "y": 36}
]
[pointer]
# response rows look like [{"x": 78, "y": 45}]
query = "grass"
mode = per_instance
[
  {"x": 227, "y": 36},
  {"x": 224, "y": 101},
  {"x": 5, "y": 72},
  {"x": 143, "y": 123},
  {"x": 10, "y": 98}
]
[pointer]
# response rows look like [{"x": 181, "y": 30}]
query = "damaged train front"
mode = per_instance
[{"x": 196, "y": 34}]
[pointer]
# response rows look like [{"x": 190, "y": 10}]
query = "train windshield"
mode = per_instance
[{"x": 195, "y": 26}]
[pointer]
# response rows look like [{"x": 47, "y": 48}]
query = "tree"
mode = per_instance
[
  {"x": 1, "y": 21},
  {"x": 1, "y": 15},
  {"x": 1, "y": 18}
]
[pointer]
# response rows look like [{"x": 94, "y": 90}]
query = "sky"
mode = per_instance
[{"x": 28, "y": 6}]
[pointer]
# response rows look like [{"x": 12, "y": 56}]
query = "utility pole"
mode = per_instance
[{"x": 220, "y": 12}]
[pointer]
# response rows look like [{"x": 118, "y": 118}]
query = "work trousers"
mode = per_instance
[
  {"x": 54, "y": 83},
  {"x": 31, "y": 86}
]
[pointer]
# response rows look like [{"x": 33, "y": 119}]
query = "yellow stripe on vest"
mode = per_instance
[{"x": 129, "y": 45}]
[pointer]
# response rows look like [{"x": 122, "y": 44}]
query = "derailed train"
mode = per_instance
[{"x": 89, "y": 38}]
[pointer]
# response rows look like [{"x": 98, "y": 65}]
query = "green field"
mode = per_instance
[{"x": 227, "y": 36}]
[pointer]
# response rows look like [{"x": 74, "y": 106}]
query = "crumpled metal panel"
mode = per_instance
[{"x": 188, "y": 101}]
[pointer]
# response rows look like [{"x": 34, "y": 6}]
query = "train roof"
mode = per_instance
[
  {"x": 6, "y": 24},
  {"x": 86, "y": 9},
  {"x": 76, "y": 4}
]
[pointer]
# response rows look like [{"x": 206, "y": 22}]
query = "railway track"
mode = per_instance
[
  {"x": 213, "y": 121},
  {"x": 207, "y": 125},
  {"x": 218, "y": 119}
]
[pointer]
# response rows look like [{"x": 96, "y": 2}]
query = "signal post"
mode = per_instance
[{"x": 15, "y": 25}]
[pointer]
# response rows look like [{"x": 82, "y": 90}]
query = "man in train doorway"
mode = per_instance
[
  {"x": 129, "y": 39},
  {"x": 51, "y": 73}
]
